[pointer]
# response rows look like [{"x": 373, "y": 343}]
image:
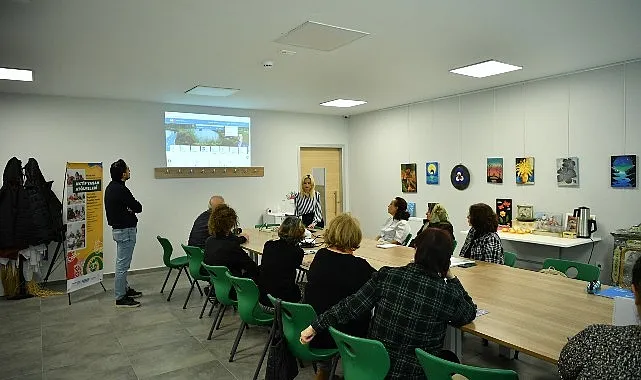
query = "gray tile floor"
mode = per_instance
[{"x": 91, "y": 339}]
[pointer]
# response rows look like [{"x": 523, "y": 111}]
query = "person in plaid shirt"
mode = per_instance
[
  {"x": 413, "y": 306},
  {"x": 482, "y": 242}
]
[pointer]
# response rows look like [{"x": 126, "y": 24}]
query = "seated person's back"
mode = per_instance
[
  {"x": 413, "y": 306},
  {"x": 223, "y": 248},
  {"x": 336, "y": 273},
  {"x": 279, "y": 262},
  {"x": 605, "y": 351}
]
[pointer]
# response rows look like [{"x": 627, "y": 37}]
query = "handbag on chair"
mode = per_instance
[{"x": 281, "y": 363}]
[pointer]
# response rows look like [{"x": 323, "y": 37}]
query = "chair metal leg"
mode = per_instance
[
  {"x": 516, "y": 355},
  {"x": 199, "y": 289},
  {"x": 211, "y": 287},
  {"x": 238, "y": 336},
  {"x": 191, "y": 289},
  {"x": 300, "y": 363},
  {"x": 220, "y": 318},
  {"x": 213, "y": 323},
  {"x": 188, "y": 276},
  {"x": 174, "y": 286},
  {"x": 165, "y": 283},
  {"x": 272, "y": 332},
  {"x": 485, "y": 342},
  {"x": 332, "y": 373}
]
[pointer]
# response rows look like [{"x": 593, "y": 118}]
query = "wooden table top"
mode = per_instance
[{"x": 531, "y": 312}]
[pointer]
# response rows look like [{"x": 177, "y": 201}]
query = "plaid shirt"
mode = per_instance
[
  {"x": 413, "y": 310},
  {"x": 484, "y": 248}
]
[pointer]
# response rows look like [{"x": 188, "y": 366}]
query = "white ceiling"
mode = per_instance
[{"x": 154, "y": 50}]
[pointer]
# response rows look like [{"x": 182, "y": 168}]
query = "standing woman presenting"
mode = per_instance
[{"x": 307, "y": 204}]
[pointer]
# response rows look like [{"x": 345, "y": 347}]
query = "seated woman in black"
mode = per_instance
[
  {"x": 335, "y": 274},
  {"x": 223, "y": 248},
  {"x": 279, "y": 262}
]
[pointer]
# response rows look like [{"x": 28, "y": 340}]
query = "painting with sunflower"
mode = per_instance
[{"x": 525, "y": 171}]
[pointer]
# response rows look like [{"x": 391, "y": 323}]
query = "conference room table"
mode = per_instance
[{"x": 528, "y": 311}]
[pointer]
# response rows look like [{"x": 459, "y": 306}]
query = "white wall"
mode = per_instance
[
  {"x": 576, "y": 115},
  {"x": 55, "y": 130}
]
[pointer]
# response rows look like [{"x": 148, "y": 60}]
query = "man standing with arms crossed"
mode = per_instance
[{"x": 121, "y": 208}]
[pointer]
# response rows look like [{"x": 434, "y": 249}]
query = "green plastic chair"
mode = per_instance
[
  {"x": 454, "y": 244},
  {"x": 179, "y": 263},
  {"x": 585, "y": 272},
  {"x": 407, "y": 239},
  {"x": 295, "y": 318},
  {"x": 363, "y": 359},
  {"x": 509, "y": 258},
  {"x": 222, "y": 286},
  {"x": 248, "y": 308},
  {"x": 440, "y": 369},
  {"x": 196, "y": 256}
]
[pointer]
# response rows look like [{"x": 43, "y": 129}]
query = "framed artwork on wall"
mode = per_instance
[
  {"x": 623, "y": 171},
  {"x": 431, "y": 173},
  {"x": 525, "y": 171},
  {"x": 567, "y": 172},
  {"x": 408, "y": 178},
  {"x": 495, "y": 170}
]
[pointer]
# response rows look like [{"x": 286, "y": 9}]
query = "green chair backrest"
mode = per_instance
[
  {"x": 585, "y": 272},
  {"x": 440, "y": 369},
  {"x": 509, "y": 258},
  {"x": 362, "y": 359},
  {"x": 296, "y": 317},
  {"x": 407, "y": 239},
  {"x": 454, "y": 244},
  {"x": 166, "y": 248},
  {"x": 248, "y": 306},
  {"x": 196, "y": 256},
  {"x": 222, "y": 286}
]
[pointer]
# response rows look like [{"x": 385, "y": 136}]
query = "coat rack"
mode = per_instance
[{"x": 209, "y": 172}]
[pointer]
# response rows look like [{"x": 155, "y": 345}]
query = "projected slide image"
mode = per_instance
[{"x": 207, "y": 140}]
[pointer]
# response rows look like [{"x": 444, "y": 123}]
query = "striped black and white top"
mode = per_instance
[{"x": 305, "y": 205}]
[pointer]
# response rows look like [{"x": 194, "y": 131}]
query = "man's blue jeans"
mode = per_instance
[{"x": 125, "y": 241}]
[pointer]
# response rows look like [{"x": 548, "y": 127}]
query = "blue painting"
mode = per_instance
[
  {"x": 431, "y": 173},
  {"x": 623, "y": 171}
]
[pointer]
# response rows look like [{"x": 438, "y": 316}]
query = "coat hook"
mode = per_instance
[
  {"x": 180, "y": 171},
  {"x": 167, "y": 171},
  {"x": 191, "y": 170},
  {"x": 235, "y": 170},
  {"x": 203, "y": 171}
]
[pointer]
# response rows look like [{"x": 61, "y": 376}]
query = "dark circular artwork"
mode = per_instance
[{"x": 460, "y": 177}]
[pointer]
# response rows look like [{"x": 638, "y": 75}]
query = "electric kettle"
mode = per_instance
[{"x": 584, "y": 225}]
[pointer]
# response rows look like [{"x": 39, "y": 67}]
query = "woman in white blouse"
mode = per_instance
[
  {"x": 396, "y": 228},
  {"x": 307, "y": 204}
]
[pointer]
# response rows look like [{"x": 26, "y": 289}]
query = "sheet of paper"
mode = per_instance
[
  {"x": 386, "y": 245},
  {"x": 625, "y": 312},
  {"x": 480, "y": 312},
  {"x": 457, "y": 260},
  {"x": 614, "y": 292}
]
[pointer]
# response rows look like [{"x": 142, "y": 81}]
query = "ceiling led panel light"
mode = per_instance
[
  {"x": 211, "y": 91},
  {"x": 16, "y": 74},
  {"x": 485, "y": 69},
  {"x": 343, "y": 103}
]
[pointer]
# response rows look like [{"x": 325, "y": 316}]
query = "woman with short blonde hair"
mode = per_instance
[{"x": 335, "y": 274}]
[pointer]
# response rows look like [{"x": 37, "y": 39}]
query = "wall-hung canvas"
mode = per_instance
[
  {"x": 411, "y": 208},
  {"x": 504, "y": 212},
  {"x": 623, "y": 171},
  {"x": 460, "y": 177},
  {"x": 495, "y": 170},
  {"x": 525, "y": 171},
  {"x": 408, "y": 178},
  {"x": 431, "y": 173},
  {"x": 567, "y": 171}
]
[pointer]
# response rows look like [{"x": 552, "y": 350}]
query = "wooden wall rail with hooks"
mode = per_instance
[{"x": 209, "y": 172}]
